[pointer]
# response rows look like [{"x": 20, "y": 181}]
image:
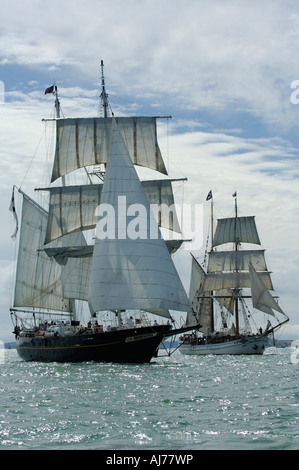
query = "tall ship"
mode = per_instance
[
  {"x": 230, "y": 292},
  {"x": 97, "y": 247}
]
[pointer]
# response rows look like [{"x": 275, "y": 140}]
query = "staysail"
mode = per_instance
[
  {"x": 261, "y": 297},
  {"x": 131, "y": 266},
  {"x": 200, "y": 300}
]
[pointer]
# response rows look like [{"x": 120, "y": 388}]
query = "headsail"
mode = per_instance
[
  {"x": 261, "y": 297},
  {"x": 200, "y": 300},
  {"x": 131, "y": 273}
]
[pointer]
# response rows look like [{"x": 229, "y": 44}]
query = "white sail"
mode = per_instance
[
  {"x": 261, "y": 298},
  {"x": 83, "y": 142},
  {"x": 216, "y": 281},
  {"x": 131, "y": 273},
  {"x": 75, "y": 270},
  {"x": 236, "y": 260},
  {"x": 200, "y": 300},
  {"x": 38, "y": 277},
  {"x": 225, "y": 298},
  {"x": 75, "y": 278},
  {"x": 160, "y": 196},
  {"x": 236, "y": 230},
  {"x": 73, "y": 208}
]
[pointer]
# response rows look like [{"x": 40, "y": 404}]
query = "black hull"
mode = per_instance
[{"x": 121, "y": 346}]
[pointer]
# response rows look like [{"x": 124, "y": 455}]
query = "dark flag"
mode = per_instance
[
  {"x": 12, "y": 208},
  {"x": 209, "y": 196},
  {"x": 235, "y": 194},
  {"x": 50, "y": 89}
]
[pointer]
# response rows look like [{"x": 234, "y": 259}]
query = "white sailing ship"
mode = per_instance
[{"x": 230, "y": 292}]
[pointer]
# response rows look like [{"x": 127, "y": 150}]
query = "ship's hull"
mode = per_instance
[
  {"x": 246, "y": 345},
  {"x": 121, "y": 346}
]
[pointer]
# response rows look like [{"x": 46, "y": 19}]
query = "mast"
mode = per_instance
[
  {"x": 236, "y": 249},
  {"x": 212, "y": 237},
  {"x": 104, "y": 95},
  {"x": 57, "y": 102},
  {"x": 63, "y": 182}
]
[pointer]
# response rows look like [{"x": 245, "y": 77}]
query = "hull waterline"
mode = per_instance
[{"x": 130, "y": 345}]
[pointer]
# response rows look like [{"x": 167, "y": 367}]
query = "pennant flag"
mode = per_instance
[
  {"x": 12, "y": 208},
  {"x": 209, "y": 196},
  {"x": 50, "y": 89},
  {"x": 235, "y": 194}
]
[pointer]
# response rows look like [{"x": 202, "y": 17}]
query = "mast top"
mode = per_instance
[
  {"x": 57, "y": 102},
  {"x": 236, "y": 206},
  {"x": 104, "y": 95},
  {"x": 54, "y": 90}
]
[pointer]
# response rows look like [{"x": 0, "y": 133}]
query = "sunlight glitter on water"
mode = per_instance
[{"x": 173, "y": 403}]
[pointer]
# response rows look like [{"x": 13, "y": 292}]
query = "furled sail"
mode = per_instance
[
  {"x": 38, "y": 277},
  {"x": 85, "y": 141},
  {"x": 130, "y": 270},
  {"x": 236, "y": 230},
  {"x": 261, "y": 298}
]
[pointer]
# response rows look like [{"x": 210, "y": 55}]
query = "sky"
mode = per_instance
[{"x": 226, "y": 72}]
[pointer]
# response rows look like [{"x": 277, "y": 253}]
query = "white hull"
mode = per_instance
[{"x": 248, "y": 345}]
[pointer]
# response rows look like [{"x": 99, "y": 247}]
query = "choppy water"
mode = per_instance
[{"x": 183, "y": 403}]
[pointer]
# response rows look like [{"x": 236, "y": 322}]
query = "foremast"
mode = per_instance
[{"x": 236, "y": 291}]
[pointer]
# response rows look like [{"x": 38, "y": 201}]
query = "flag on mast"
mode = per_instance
[
  {"x": 12, "y": 208},
  {"x": 51, "y": 89},
  {"x": 209, "y": 196}
]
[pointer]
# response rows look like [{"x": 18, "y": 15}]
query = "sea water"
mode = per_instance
[{"x": 177, "y": 402}]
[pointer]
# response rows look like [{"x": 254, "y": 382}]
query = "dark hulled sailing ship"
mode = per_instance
[{"x": 88, "y": 248}]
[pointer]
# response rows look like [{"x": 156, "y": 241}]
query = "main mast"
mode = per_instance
[{"x": 63, "y": 183}]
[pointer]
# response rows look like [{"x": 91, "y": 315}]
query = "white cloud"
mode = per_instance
[{"x": 201, "y": 55}]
